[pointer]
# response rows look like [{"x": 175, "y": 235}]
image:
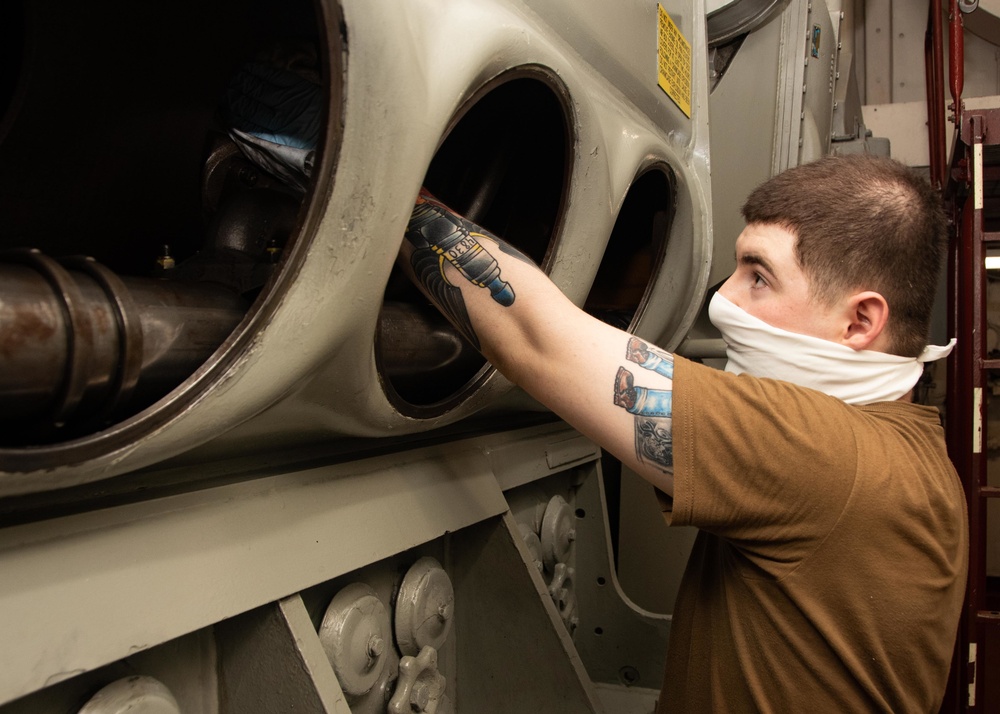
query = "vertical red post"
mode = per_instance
[{"x": 956, "y": 57}]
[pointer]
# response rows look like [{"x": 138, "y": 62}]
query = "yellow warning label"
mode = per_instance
[{"x": 673, "y": 54}]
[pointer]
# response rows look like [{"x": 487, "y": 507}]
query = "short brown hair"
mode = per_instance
[{"x": 862, "y": 223}]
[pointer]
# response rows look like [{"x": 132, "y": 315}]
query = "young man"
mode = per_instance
[{"x": 830, "y": 566}]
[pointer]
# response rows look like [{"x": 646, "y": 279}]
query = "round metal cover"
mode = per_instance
[
  {"x": 424, "y": 607},
  {"x": 356, "y": 634},
  {"x": 557, "y": 533},
  {"x": 134, "y": 695}
]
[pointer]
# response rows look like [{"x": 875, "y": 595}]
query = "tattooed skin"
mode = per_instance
[
  {"x": 440, "y": 236},
  {"x": 653, "y": 407},
  {"x": 640, "y": 400},
  {"x": 651, "y": 358},
  {"x": 654, "y": 442},
  {"x": 449, "y": 237}
]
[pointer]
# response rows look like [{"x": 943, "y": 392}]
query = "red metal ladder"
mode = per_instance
[
  {"x": 970, "y": 195},
  {"x": 971, "y": 188}
]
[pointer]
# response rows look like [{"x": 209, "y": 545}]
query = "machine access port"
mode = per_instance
[
  {"x": 144, "y": 214},
  {"x": 504, "y": 164},
  {"x": 635, "y": 250}
]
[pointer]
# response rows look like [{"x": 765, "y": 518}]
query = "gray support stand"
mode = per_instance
[
  {"x": 271, "y": 662},
  {"x": 515, "y": 654}
]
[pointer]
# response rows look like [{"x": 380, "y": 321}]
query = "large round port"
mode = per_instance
[
  {"x": 117, "y": 142},
  {"x": 504, "y": 164},
  {"x": 635, "y": 250}
]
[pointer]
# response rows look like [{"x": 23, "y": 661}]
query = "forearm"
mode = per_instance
[{"x": 587, "y": 372}]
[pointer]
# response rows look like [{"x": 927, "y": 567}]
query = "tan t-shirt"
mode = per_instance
[{"x": 830, "y": 569}]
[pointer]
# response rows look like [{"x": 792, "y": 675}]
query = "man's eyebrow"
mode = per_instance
[{"x": 756, "y": 259}]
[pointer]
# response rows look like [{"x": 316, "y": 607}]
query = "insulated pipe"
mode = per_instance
[{"x": 78, "y": 342}]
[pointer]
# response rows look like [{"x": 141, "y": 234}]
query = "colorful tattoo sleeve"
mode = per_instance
[{"x": 653, "y": 408}]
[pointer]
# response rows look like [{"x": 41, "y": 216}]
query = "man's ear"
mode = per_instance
[{"x": 868, "y": 314}]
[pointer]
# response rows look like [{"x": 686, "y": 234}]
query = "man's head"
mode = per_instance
[{"x": 862, "y": 225}]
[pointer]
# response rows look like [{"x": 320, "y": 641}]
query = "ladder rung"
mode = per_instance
[
  {"x": 991, "y": 363},
  {"x": 991, "y": 237},
  {"x": 989, "y": 491},
  {"x": 990, "y": 616}
]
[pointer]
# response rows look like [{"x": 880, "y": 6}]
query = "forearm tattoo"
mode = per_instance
[
  {"x": 653, "y": 408},
  {"x": 439, "y": 237}
]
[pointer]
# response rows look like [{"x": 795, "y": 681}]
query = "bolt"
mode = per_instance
[
  {"x": 444, "y": 612},
  {"x": 165, "y": 261},
  {"x": 571, "y": 535},
  {"x": 629, "y": 675},
  {"x": 376, "y": 646}
]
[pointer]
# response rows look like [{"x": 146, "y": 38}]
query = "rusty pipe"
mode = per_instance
[
  {"x": 78, "y": 343},
  {"x": 956, "y": 59}
]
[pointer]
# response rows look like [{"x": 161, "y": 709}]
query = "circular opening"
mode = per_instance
[
  {"x": 580, "y": 513},
  {"x": 127, "y": 135},
  {"x": 598, "y": 630},
  {"x": 504, "y": 165},
  {"x": 635, "y": 250},
  {"x": 601, "y": 580}
]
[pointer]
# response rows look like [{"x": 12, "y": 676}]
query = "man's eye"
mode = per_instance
[{"x": 758, "y": 281}]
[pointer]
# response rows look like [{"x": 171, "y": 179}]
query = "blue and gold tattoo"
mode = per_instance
[
  {"x": 439, "y": 236},
  {"x": 653, "y": 408}
]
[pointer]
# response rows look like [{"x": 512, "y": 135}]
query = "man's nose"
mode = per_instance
[{"x": 728, "y": 290}]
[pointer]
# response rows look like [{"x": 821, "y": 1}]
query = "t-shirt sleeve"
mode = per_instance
[{"x": 765, "y": 464}]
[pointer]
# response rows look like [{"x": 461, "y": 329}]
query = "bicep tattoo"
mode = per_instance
[{"x": 653, "y": 408}]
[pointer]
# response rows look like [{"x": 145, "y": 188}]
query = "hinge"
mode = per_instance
[{"x": 972, "y": 674}]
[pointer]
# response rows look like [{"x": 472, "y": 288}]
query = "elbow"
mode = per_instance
[
  {"x": 511, "y": 363},
  {"x": 525, "y": 354}
]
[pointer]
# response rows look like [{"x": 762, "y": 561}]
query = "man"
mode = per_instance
[{"x": 830, "y": 566}]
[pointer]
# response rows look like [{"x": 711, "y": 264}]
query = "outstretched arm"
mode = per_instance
[{"x": 608, "y": 384}]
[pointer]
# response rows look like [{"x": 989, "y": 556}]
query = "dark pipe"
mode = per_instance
[
  {"x": 935, "y": 94},
  {"x": 414, "y": 345},
  {"x": 77, "y": 342}
]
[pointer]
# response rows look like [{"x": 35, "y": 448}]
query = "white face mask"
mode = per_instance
[{"x": 856, "y": 377}]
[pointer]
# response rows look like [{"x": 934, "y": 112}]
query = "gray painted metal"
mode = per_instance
[
  {"x": 133, "y": 576},
  {"x": 523, "y": 658},
  {"x": 271, "y": 662},
  {"x": 619, "y": 642}
]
